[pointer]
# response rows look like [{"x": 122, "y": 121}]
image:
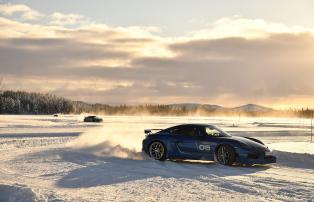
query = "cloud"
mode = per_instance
[
  {"x": 238, "y": 26},
  {"x": 256, "y": 61},
  {"x": 66, "y": 19},
  {"x": 56, "y": 56},
  {"x": 24, "y": 11},
  {"x": 273, "y": 67}
]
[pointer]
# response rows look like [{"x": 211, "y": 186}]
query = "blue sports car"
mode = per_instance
[{"x": 204, "y": 142}]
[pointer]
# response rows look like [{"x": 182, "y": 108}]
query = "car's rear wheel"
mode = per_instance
[
  {"x": 157, "y": 150},
  {"x": 225, "y": 155}
]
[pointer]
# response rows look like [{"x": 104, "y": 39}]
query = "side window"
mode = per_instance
[
  {"x": 187, "y": 130},
  {"x": 177, "y": 131},
  {"x": 212, "y": 132},
  {"x": 191, "y": 131}
]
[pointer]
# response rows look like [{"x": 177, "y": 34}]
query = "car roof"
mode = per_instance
[{"x": 194, "y": 124}]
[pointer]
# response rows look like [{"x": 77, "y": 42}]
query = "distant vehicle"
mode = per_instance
[
  {"x": 92, "y": 119},
  {"x": 205, "y": 142},
  {"x": 56, "y": 115}
]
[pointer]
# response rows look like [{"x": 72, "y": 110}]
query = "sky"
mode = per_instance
[{"x": 143, "y": 52}]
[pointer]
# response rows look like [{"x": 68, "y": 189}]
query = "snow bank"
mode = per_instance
[
  {"x": 296, "y": 160},
  {"x": 294, "y": 154},
  {"x": 294, "y": 147}
]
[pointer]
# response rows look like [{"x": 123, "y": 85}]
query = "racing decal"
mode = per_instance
[{"x": 203, "y": 147}]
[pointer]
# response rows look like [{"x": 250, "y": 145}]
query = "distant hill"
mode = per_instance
[
  {"x": 252, "y": 108},
  {"x": 243, "y": 108},
  {"x": 193, "y": 106}
]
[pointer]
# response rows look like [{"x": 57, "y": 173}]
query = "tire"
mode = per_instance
[
  {"x": 157, "y": 151},
  {"x": 225, "y": 155}
]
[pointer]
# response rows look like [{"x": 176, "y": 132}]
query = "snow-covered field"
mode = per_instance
[{"x": 45, "y": 158}]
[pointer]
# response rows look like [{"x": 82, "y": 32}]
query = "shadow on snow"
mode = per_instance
[{"x": 97, "y": 171}]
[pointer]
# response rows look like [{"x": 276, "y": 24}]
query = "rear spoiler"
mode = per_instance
[{"x": 149, "y": 131}]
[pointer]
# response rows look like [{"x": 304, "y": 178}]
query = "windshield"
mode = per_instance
[{"x": 215, "y": 132}]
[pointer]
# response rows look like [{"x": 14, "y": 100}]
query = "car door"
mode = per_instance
[
  {"x": 209, "y": 141},
  {"x": 186, "y": 139}
]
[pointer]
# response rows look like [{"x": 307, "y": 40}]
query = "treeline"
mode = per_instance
[
  {"x": 305, "y": 113},
  {"x": 20, "y": 102},
  {"x": 81, "y": 107}
]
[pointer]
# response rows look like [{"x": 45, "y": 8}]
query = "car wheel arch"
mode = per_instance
[{"x": 157, "y": 140}]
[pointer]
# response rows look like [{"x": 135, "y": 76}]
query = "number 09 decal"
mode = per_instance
[{"x": 204, "y": 147}]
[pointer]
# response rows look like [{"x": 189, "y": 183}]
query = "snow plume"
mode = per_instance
[{"x": 112, "y": 140}]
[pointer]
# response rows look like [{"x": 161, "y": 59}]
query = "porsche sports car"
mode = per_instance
[
  {"x": 92, "y": 119},
  {"x": 204, "y": 142}
]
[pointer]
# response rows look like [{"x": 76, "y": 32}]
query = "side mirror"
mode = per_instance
[{"x": 147, "y": 131}]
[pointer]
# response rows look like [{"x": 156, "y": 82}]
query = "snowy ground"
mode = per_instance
[{"x": 63, "y": 159}]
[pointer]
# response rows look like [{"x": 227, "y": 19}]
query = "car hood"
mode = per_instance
[{"x": 250, "y": 143}]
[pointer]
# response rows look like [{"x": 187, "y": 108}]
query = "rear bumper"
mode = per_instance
[{"x": 260, "y": 160}]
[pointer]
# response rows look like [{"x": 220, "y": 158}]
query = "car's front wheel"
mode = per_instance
[
  {"x": 225, "y": 155},
  {"x": 157, "y": 150}
]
